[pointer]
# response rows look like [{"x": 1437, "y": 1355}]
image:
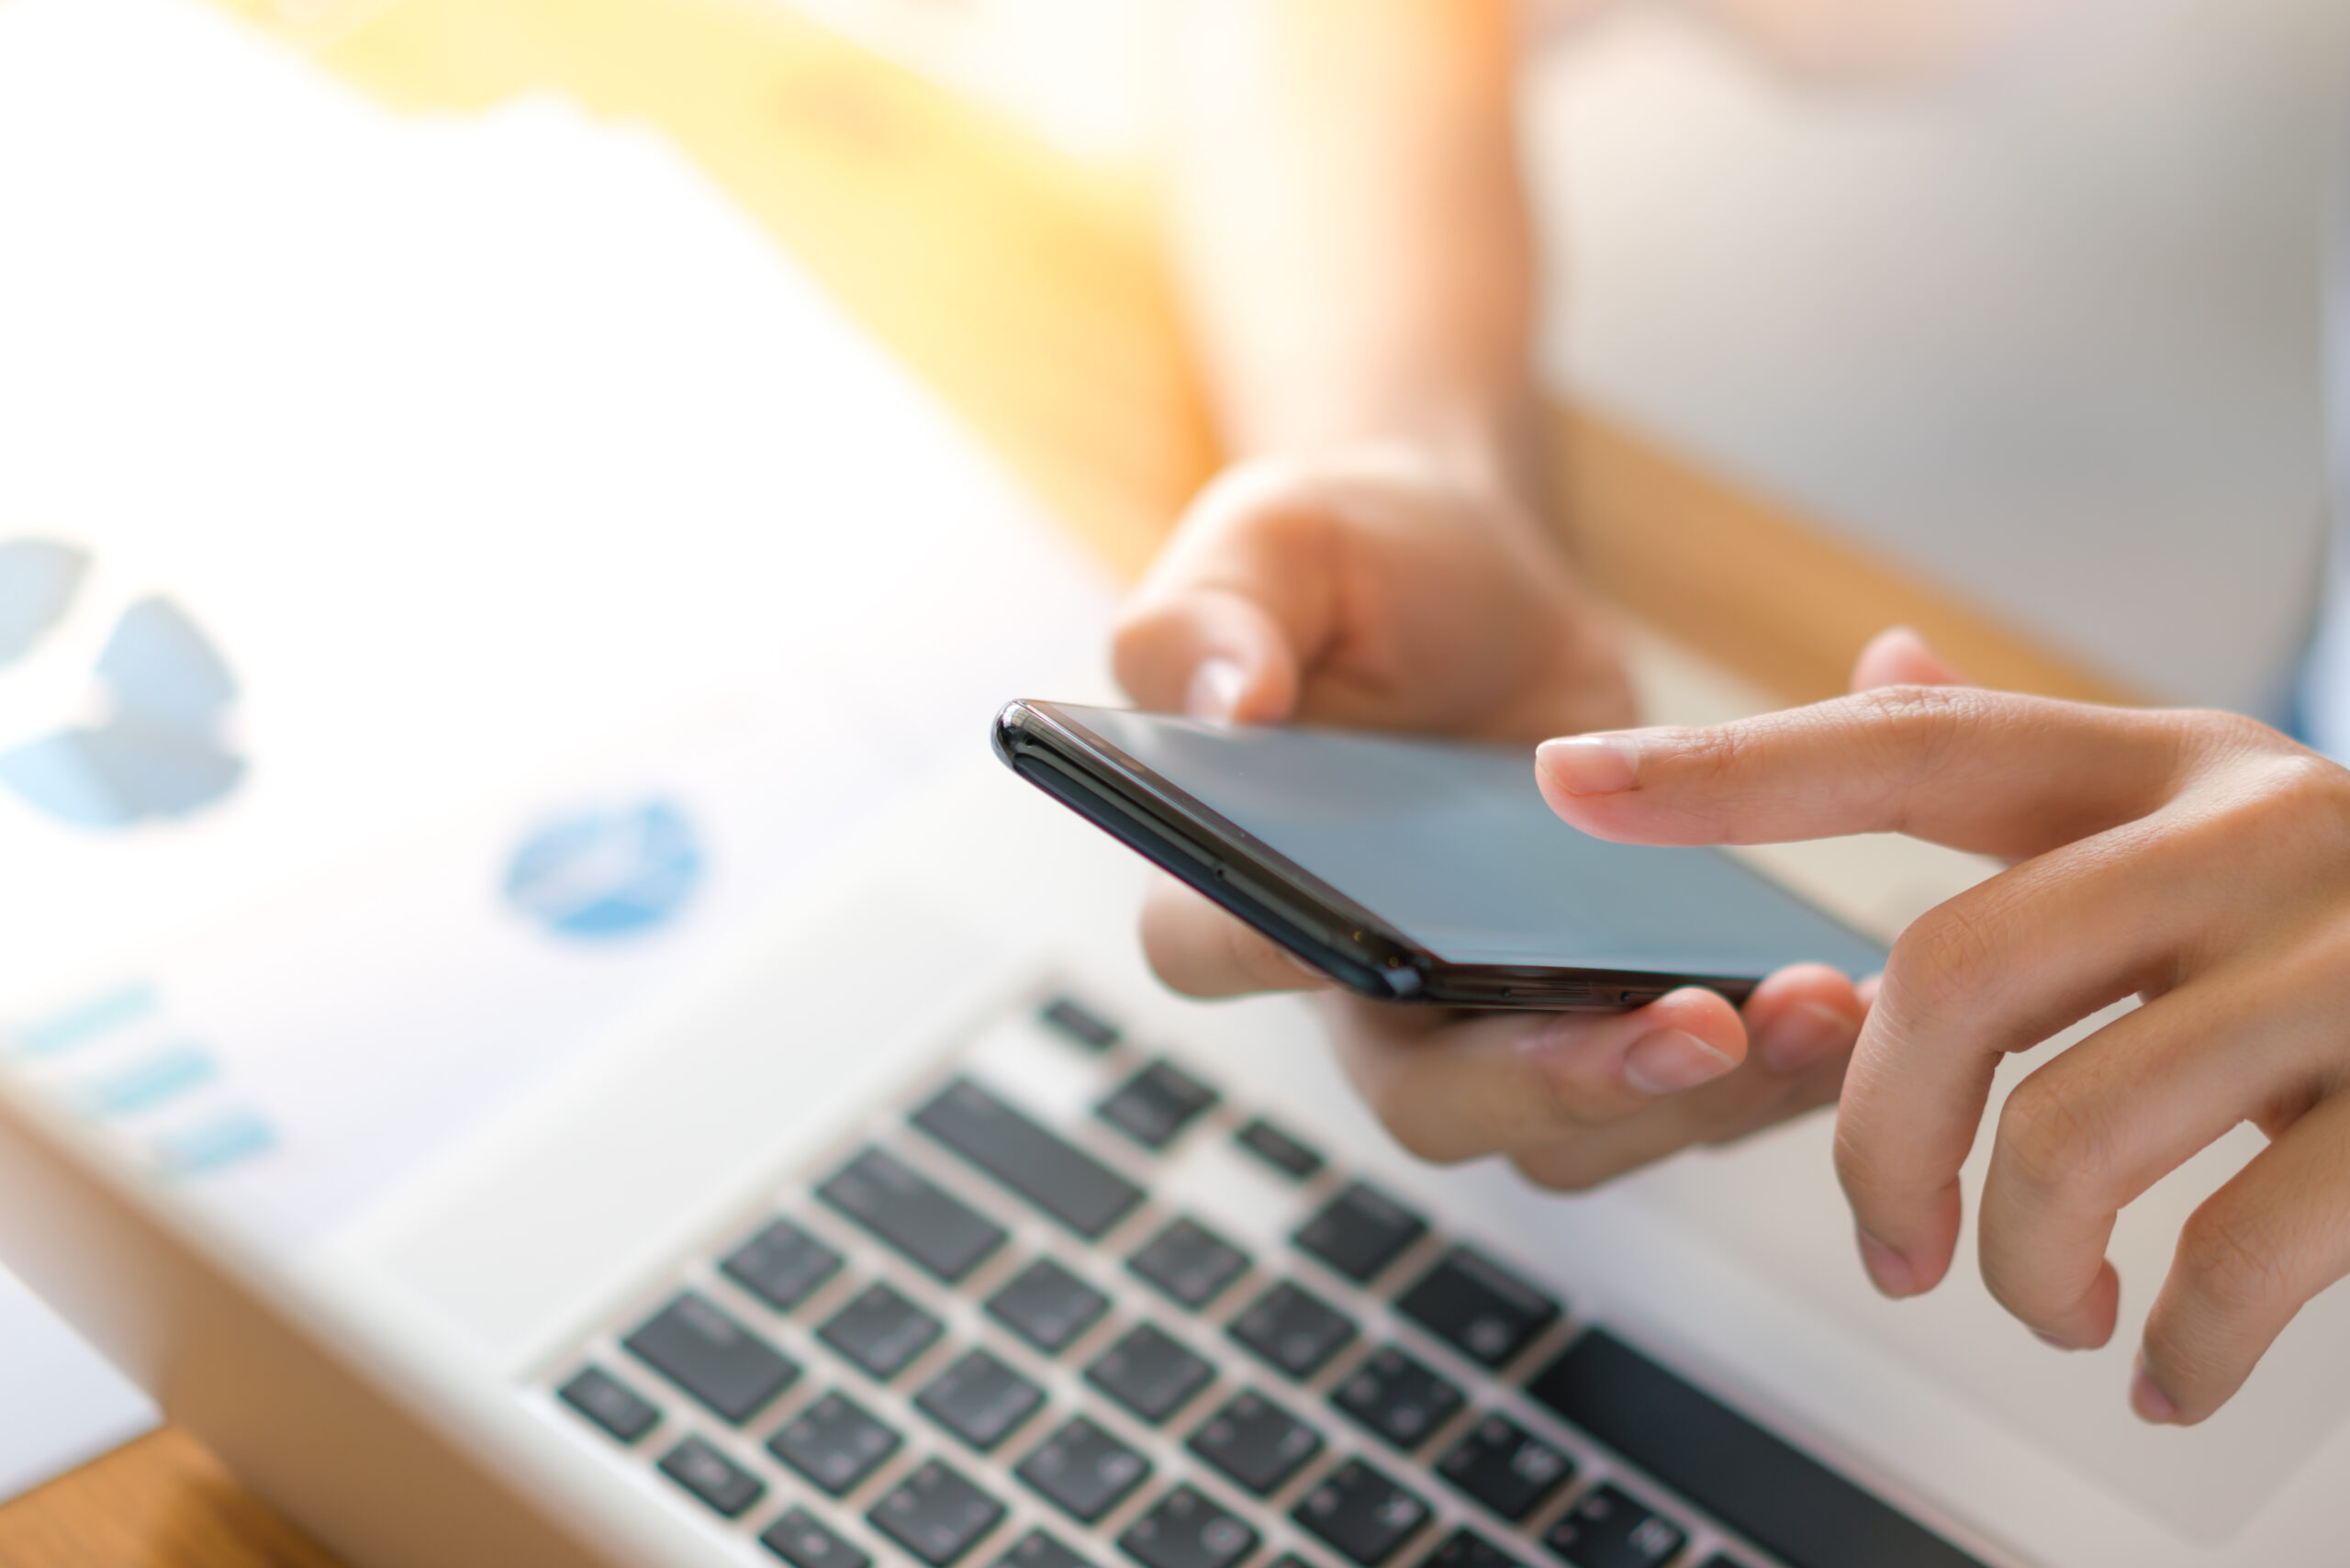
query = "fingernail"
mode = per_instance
[
  {"x": 1591, "y": 765},
  {"x": 1669, "y": 1060},
  {"x": 2151, "y": 1403},
  {"x": 1216, "y": 689},
  {"x": 1805, "y": 1034},
  {"x": 2050, "y": 1340},
  {"x": 1889, "y": 1270}
]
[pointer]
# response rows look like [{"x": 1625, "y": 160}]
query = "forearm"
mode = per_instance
[{"x": 1352, "y": 238}]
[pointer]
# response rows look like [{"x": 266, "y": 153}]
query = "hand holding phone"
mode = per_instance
[
  {"x": 1573, "y": 1099},
  {"x": 1420, "y": 872},
  {"x": 1372, "y": 588},
  {"x": 1368, "y": 590}
]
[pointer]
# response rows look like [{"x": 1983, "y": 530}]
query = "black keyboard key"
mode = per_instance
[
  {"x": 1478, "y": 1307},
  {"x": 1049, "y": 1171},
  {"x": 1048, "y": 1305},
  {"x": 1189, "y": 1262},
  {"x": 935, "y": 1514},
  {"x": 1157, "y": 1103},
  {"x": 783, "y": 1265},
  {"x": 1781, "y": 1498},
  {"x": 714, "y": 1358},
  {"x": 1187, "y": 1531},
  {"x": 710, "y": 1475},
  {"x": 1080, "y": 1023},
  {"x": 939, "y": 1231},
  {"x": 1608, "y": 1529},
  {"x": 1149, "y": 1373},
  {"x": 1467, "y": 1548},
  {"x": 880, "y": 1331},
  {"x": 836, "y": 1442},
  {"x": 1360, "y": 1232},
  {"x": 979, "y": 1400},
  {"x": 1362, "y": 1513},
  {"x": 1083, "y": 1471},
  {"x": 1506, "y": 1467},
  {"x": 1038, "y": 1550},
  {"x": 1285, "y": 1154},
  {"x": 1294, "y": 1329},
  {"x": 1257, "y": 1443},
  {"x": 611, "y": 1404},
  {"x": 805, "y": 1542},
  {"x": 1397, "y": 1398}
]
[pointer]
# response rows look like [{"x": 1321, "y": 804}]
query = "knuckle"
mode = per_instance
[
  {"x": 2052, "y": 1141},
  {"x": 1863, "y": 1176},
  {"x": 1176, "y": 977},
  {"x": 1402, "y": 1105},
  {"x": 2233, "y": 1263},
  {"x": 2175, "y": 1351},
  {"x": 1139, "y": 644},
  {"x": 1872, "y": 1173},
  {"x": 1926, "y": 709},
  {"x": 1561, "y": 1170},
  {"x": 2280, "y": 816},
  {"x": 1910, "y": 733},
  {"x": 1173, "y": 967},
  {"x": 1266, "y": 498},
  {"x": 1246, "y": 955},
  {"x": 1239, "y": 491},
  {"x": 1925, "y": 719},
  {"x": 2297, "y": 799},
  {"x": 1566, "y": 1098},
  {"x": 1939, "y": 963},
  {"x": 1714, "y": 752},
  {"x": 1173, "y": 945},
  {"x": 2217, "y": 733},
  {"x": 1711, "y": 763},
  {"x": 1417, "y": 1137}
]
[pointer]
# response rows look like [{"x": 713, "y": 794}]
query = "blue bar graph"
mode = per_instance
[
  {"x": 78, "y": 1025},
  {"x": 226, "y": 1139},
  {"x": 146, "y": 1084}
]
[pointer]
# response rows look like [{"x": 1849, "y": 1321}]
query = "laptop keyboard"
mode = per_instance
[{"x": 986, "y": 1338}]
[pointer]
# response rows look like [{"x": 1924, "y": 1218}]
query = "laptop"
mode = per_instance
[{"x": 923, "y": 1227}]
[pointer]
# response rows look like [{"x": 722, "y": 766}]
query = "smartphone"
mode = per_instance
[{"x": 1420, "y": 872}]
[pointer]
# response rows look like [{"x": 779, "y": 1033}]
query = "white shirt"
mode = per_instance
[
  {"x": 2043, "y": 323},
  {"x": 1877, "y": 38}
]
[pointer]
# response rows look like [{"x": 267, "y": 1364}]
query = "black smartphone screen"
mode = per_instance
[{"x": 1452, "y": 848}]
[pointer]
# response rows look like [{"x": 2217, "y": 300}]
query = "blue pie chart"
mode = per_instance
[
  {"x": 162, "y": 697},
  {"x": 601, "y": 875}
]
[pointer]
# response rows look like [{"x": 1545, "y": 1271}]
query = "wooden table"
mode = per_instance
[{"x": 1027, "y": 292}]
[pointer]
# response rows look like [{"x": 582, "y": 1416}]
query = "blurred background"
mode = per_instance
[
  {"x": 2046, "y": 322},
  {"x": 2050, "y": 330}
]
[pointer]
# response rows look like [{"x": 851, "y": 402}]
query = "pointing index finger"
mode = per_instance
[{"x": 1988, "y": 771}]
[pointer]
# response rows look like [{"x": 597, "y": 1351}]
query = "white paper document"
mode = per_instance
[
  {"x": 59, "y": 1404},
  {"x": 449, "y": 568}
]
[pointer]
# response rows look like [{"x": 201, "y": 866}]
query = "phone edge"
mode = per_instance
[{"x": 1092, "y": 777}]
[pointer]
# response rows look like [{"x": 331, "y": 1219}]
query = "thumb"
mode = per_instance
[
  {"x": 1239, "y": 600},
  {"x": 1898, "y": 656},
  {"x": 1208, "y": 653}
]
